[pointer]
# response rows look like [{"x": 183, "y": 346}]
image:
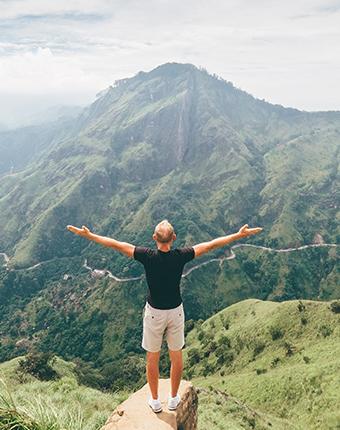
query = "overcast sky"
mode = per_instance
[{"x": 66, "y": 51}]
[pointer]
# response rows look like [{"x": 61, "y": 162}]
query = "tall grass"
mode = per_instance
[{"x": 54, "y": 405}]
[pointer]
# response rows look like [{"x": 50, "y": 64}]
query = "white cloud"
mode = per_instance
[
  {"x": 287, "y": 53},
  {"x": 15, "y": 8}
]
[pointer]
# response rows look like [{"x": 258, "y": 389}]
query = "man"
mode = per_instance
[{"x": 163, "y": 311}]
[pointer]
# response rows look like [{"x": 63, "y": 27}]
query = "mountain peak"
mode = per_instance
[{"x": 174, "y": 68}]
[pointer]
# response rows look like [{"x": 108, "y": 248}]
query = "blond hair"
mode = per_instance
[{"x": 164, "y": 231}]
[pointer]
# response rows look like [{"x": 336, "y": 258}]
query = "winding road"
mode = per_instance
[
  {"x": 105, "y": 272},
  {"x": 6, "y": 258}
]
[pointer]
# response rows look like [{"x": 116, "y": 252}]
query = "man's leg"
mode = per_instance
[
  {"x": 152, "y": 372},
  {"x": 175, "y": 370}
]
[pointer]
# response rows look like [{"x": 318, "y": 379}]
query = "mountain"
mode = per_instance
[
  {"x": 172, "y": 143},
  {"x": 24, "y": 145},
  {"x": 267, "y": 365}
]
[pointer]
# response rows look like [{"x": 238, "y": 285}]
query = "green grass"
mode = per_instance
[
  {"x": 53, "y": 405},
  {"x": 300, "y": 387}
]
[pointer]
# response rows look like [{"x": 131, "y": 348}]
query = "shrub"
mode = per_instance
[
  {"x": 200, "y": 335},
  {"x": 239, "y": 343},
  {"x": 188, "y": 373},
  {"x": 87, "y": 374},
  {"x": 260, "y": 371},
  {"x": 194, "y": 356},
  {"x": 39, "y": 364},
  {"x": 208, "y": 369},
  {"x": 325, "y": 330},
  {"x": 304, "y": 320},
  {"x": 189, "y": 325},
  {"x": 210, "y": 347},
  {"x": 225, "y": 323},
  {"x": 276, "y": 332},
  {"x": 306, "y": 359},
  {"x": 335, "y": 306},
  {"x": 275, "y": 361},
  {"x": 225, "y": 357},
  {"x": 259, "y": 346},
  {"x": 224, "y": 341},
  {"x": 289, "y": 349},
  {"x": 301, "y": 307}
]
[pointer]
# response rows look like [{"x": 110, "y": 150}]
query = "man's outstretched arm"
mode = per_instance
[
  {"x": 124, "y": 247},
  {"x": 244, "y": 231}
]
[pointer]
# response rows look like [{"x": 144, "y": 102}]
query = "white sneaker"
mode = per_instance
[
  {"x": 155, "y": 405},
  {"x": 173, "y": 402}
]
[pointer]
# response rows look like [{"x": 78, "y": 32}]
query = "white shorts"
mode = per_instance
[{"x": 157, "y": 321}]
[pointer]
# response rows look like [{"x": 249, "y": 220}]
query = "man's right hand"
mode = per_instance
[{"x": 84, "y": 231}]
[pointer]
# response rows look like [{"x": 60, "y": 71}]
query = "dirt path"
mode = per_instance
[{"x": 105, "y": 272}]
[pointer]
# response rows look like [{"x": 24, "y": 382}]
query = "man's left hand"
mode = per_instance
[{"x": 246, "y": 231}]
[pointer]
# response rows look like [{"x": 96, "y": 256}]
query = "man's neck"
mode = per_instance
[{"x": 165, "y": 247}]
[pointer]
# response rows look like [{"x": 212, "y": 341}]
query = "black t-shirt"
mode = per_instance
[{"x": 163, "y": 271}]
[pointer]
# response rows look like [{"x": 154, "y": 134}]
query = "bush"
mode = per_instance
[
  {"x": 275, "y": 361},
  {"x": 325, "y": 330},
  {"x": 39, "y": 364},
  {"x": 301, "y": 306},
  {"x": 306, "y": 359},
  {"x": 87, "y": 375},
  {"x": 200, "y": 335},
  {"x": 239, "y": 343},
  {"x": 225, "y": 322},
  {"x": 335, "y": 306},
  {"x": 260, "y": 371},
  {"x": 189, "y": 325},
  {"x": 224, "y": 358},
  {"x": 258, "y": 347},
  {"x": 289, "y": 349},
  {"x": 276, "y": 332},
  {"x": 194, "y": 356},
  {"x": 210, "y": 347},
  {"x": 304, "y": 320},
  {"x": 208, "y": 369},
  {"x": 224, "y": 341}
]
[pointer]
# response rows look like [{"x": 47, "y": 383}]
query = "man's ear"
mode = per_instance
[
  {"x": 154, "y": 237},
  {"x": 174, "y": 236}
]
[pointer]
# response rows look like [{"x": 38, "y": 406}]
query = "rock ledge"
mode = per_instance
[{"x": 136, "y": 414}]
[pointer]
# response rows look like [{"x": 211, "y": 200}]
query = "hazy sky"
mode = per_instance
[{"x": 59, "y": 51}]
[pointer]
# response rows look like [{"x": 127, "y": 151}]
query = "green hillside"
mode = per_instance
[
  {"x": 257, "y": 365},
  {"x": 268, "y": 365},
  {"x": 173, "y": 143},
  {"x": 55, "y": 404}
]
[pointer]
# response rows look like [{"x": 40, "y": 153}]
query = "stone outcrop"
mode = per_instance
[{"x": 136, "y": 414}]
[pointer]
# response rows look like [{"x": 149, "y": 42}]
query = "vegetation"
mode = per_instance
[
  {"x": 109, "y": 172},
  {"x": 283, "y": 382},
  {"x": 174, "y": 143},
  {"x": 39, "y": 365},
  {"x": 27, "y": 403}
]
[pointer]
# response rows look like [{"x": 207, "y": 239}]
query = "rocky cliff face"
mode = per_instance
[{"x": 135, "y": 414}]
